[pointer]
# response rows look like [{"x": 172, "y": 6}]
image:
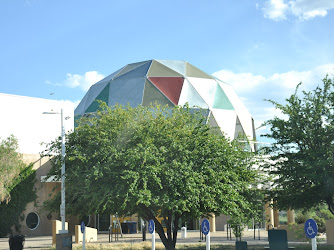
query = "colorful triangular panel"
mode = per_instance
[
  {"x": 221, "y": 101},
  {"x": 130, "y": 67},
  {"x": 169, "y": 86},
  {"x": 159, "y": 70},
  {"x": 191, "y": 96},
  {"x": 192, "y": 71},
  {"x": 103, "y": 96},
  {"x": 178, "y": 66},
  {"x": 153, "y": 95},
  {"x": 136, "y": 72}
]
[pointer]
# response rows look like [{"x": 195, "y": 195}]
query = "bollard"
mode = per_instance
[
  {"x": 110, "y": 233},
  {"x": 144, "y": 231},
  {"x": 183, "y": 232}
]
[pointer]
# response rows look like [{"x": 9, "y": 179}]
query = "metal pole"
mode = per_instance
[
  {"x": 84, "y": 239},
  {"x": 207, "y": 239},
  {"x": 62, "y": 206},
  {"x": 153, "y": 240},
  {"x": 314, "y": 243},
  {"x": 254, "y": 228}
]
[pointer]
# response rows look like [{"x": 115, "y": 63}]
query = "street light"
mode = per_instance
[{"x": 62, "y": 205}]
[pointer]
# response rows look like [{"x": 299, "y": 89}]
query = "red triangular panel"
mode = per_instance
[{"x": 170, "y": 86}]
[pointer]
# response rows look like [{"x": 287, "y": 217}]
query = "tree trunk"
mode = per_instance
[
  {"x": 330, "y": 204},
  {"x": 168, "y": 242}
]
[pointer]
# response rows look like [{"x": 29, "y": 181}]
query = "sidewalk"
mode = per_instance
[{"x": 192, "y": 237}]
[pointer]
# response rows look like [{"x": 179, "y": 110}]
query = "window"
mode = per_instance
[{"x": 32, "y": 220}]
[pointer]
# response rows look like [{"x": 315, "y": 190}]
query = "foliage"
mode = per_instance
[
  {"x": 155, "y": 162},
  {"x": 22, "y": 193},
  {"x": 320, "y": 214},
  {"x": 255, "y": 197},
  {"x": 302, "y": 155},
  {"x": 10, "y": 166}
]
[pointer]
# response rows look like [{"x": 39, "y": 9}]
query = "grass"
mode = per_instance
[{"x": 159, "y": 246}]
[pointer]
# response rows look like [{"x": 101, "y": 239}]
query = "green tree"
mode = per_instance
[
  {"x": 10, "y": 166},
  {"x": 156, "y": 162},
  {"x": 21, "y": 194},
  {"x": 302, "y": 155}
]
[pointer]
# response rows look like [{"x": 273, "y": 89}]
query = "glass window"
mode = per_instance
[{"x": 32, "y": 220}]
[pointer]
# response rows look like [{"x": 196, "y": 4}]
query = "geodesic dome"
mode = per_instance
[{"x": 172, "y": 83}]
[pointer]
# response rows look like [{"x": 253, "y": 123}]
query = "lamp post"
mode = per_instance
[{"x": 62, "y": 205}]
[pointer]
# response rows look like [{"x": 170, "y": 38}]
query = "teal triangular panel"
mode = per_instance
[
  {"x": 221, "y": 101},
  {"x": 103, "y": 96}
]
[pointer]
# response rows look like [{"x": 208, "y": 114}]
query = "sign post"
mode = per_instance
[
  {"x": 311, "y": 230},
  {"x": 151, "y": 230},
  {"x": 206, "y": 231},
  {"x": 84, "y": 234}
]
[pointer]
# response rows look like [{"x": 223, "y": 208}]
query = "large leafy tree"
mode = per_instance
[
  {"x": 156, "y": 162},
  {"x": 10, "y": 166},
  {"x": 302, "y": 154}
]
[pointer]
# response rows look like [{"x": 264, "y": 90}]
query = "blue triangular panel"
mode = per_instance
[
  {"x": 127, "y": 91},
  {"x": 137, "y": 72},
  {"x": 130, "y": 67}
]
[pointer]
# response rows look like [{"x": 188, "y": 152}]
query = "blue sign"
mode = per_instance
[
  {"x": 205, "y": 227},
  {"x": 311, "y": 228},
  {"x": 82, "y": 226},
  {"x": 151, "y": 226}
]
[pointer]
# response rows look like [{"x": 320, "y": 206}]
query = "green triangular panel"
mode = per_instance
[
  {"x": 159, "y": 70},
  {"x": 103, "y": 96},
  {"x": 152, "y": 95},
  {"x": 221, "y": 101},
  {"x": 192, "y": 71}
]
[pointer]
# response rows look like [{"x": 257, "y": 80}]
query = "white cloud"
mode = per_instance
[
  {"x": 303, "y": 9},
  {"x": 275, "y": 9},
  {"x": 254, "y": 89},
  {"x": 83, "y": 81},
  {"x": 79, "y": 81}
]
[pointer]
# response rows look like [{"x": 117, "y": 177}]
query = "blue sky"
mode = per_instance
[{"x": 262, "y": 48}]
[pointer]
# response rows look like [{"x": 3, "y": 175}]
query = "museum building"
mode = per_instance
[{"x": 164, "y": 82}]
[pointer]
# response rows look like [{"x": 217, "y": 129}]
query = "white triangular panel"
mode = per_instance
[
  {"x": 191, "y": 96},
  {"x": 178, "y": 66},
  {"x": 242, "y": 112},
  {"x": 226, "y": 120},
  {"x": 205, "y": 87}
]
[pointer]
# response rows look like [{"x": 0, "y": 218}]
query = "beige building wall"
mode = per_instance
[{"x": 42, "y": 166}]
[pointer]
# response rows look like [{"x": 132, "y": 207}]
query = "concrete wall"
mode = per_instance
[
  {"x": 221, "y": 222},
  {"x": 90, "y": 234},
  {"x": 330, "y": 231},
  {"x": 42, "y": 166}
]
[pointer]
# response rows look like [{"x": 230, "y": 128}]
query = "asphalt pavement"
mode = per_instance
[{"x": 45, "y": 242}]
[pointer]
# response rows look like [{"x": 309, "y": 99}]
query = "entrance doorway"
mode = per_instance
[{"x": 103, "y": 222}]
